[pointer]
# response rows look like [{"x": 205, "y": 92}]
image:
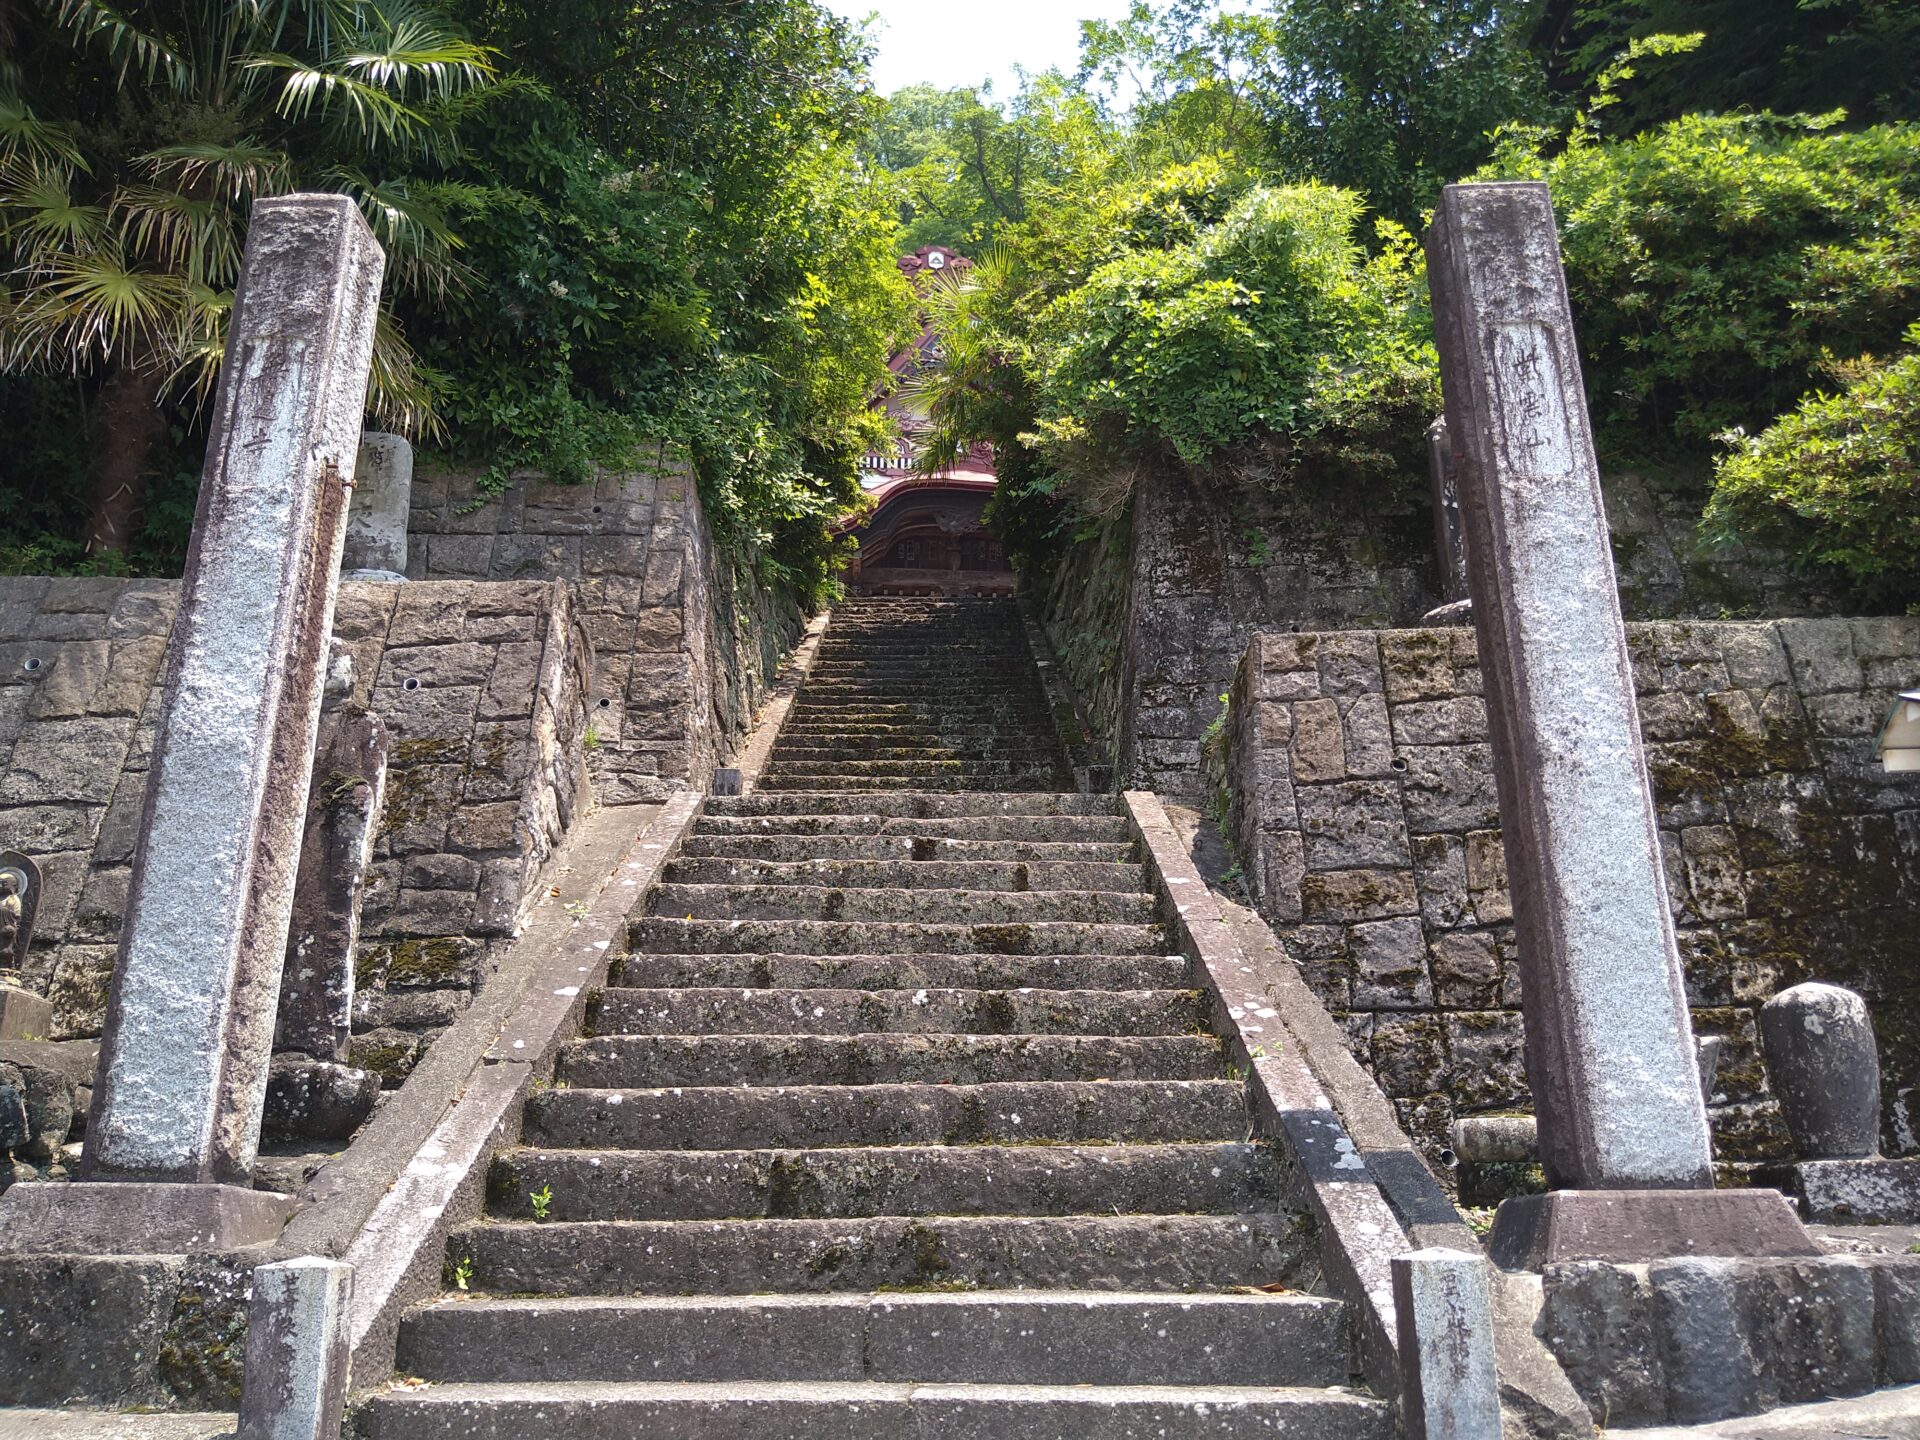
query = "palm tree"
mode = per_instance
[{"x": 134, "y": 138}]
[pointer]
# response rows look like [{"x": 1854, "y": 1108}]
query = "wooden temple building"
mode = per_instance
[{"x": 923, "y": 534}]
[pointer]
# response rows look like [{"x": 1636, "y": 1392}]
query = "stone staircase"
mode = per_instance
[
  {"x": 921, "y": 695},
  {"x": 898, "y": 1120}
]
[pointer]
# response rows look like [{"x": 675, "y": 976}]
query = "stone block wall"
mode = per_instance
[
  {"x": 1361, "y": 802},
  {"x": 684, "y": 646},
  {"x": 1151, "y": 613},
  {"x": 483, "y": 688}
]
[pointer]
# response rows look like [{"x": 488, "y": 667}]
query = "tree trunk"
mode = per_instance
[{"x": 131, "y": 424}]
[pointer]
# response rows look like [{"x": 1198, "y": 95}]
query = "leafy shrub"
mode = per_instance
[
  {"x": 1836, "y": 483},
  {"x": 1272, "y": 321},
  {"x": 1715, "y": 262}
]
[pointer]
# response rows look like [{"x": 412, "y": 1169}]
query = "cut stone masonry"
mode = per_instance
[{"x": 1363, "y": 814}]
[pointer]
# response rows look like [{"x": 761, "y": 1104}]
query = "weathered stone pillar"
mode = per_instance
[
  {"x": 190, "y": 1019},
  {"x": 1609, "y": 1045},
  {"x": 343, "y": 813},
  {"x": 1449, "y": 531},
  {"x": 1443, "y": 1307},
  {"x": 295, "y": 1383},
  {"x": 376, "y": 546},
  {"x": 1610, "y": 1053}
]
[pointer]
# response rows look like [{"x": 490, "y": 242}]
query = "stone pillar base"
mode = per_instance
[
  {"x": 111, "y": 1217},
  {"x": 1627, "y": 1227}
]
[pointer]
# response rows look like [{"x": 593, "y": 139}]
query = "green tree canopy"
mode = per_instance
[{"x": 132, "y": 144}]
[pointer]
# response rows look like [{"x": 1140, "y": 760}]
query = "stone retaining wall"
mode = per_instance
[
  {"x": 483, "y": 689},
  {"x": 684, "y": 644},
  {"x": 1150, "y": 613},
  {"x": 1361, "y": 803}
]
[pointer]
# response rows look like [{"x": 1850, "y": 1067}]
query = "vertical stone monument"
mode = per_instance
[
  {"x": 376, "y": 546},
  {"x": 1449, "y": 532},
  {"x": 1443, "y": 1309},
  {"x": 190, "y": 1020},
  {"x": 1610, "y": 1052}
]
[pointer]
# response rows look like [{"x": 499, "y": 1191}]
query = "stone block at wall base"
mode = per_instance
[
  {"x": 58, "y": 1350},
  {"x": 1696, "y": 1340},
  {"x": 137, "y": 1218},
  {"x": 1531, "y": 1232},
  {"x": 1858, "y": 1192},
  {"x": 24, "y": 1015}
]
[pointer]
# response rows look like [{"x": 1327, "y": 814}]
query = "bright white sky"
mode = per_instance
[{"x": 963, "y": 42}]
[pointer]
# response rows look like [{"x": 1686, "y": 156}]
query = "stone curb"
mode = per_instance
[
  {"x": 1359, "y": 1232},
  {"x": 757, "y": 748},
  {"x": 398, "y": 1252},
  {"x": 1360, "y": 1173},
  {"x": 1090, "y": 775}
]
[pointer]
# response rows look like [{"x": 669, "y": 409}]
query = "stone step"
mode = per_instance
[
  {"x": 919, "y": 806},
  {"x": 777, "y": 783},
  {"x": 1229, "y": 1179},
  {"x": 878, "y": 669},
  {"x": 1052, "y": 829},
  {"x": 785, "y": 1011},
  {"x": 621, "y": 1061},
  {"x": 977, "y": 774},
  {"x": 598, "y": 1410},
  {"x": 1038, "y": 1112},
  {"x": 849, "y": 729},
  {"x": 921, "y": 906},
  {"x": 1070, "y": 1337},
  {"x": 815, "y": 757},
  {"x": 668, "y": 935},
  {"x": 961, "y": 693},
  {"x": 744, "y": 1257},
  {"x": 904, "y": 972},
  {"x": 908, "y": 873},
  {"x": 952, "y": 710},
  {"x": 1003, "y": 743},
  {"x": 793, "y": 849}
]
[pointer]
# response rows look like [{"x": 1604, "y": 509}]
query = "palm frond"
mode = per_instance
[
  {"x": 89, "y": 308},
  {"x": 40, "y": 216},
  {"x": 200, "y": 342},
  {"x": 306, "y": 87},
  {"x": 399, "y": 388},
  {"x": 126, "y": 41},
  {"x": 410, "y": 221},
  {"x": 238, "y": 170},
  {"x": 195, "y": 236},
  {"x": 417, "y": 56},
  {"x": 26, "y": 138}
]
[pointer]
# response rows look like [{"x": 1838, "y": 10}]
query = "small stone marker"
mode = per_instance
[
  {"x": 376, "y": 546},
  {"x": 1444, "y": 1311},
  {"x": 1610, "y": 1054},
  {"x": 1449, "y": 530},
  {"x": 191, "y": 1016},
  {"x": 1824, "y": 1065},
  {"x": 24, "y": 1015},
  {"x": 295, "y": 1385}
]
